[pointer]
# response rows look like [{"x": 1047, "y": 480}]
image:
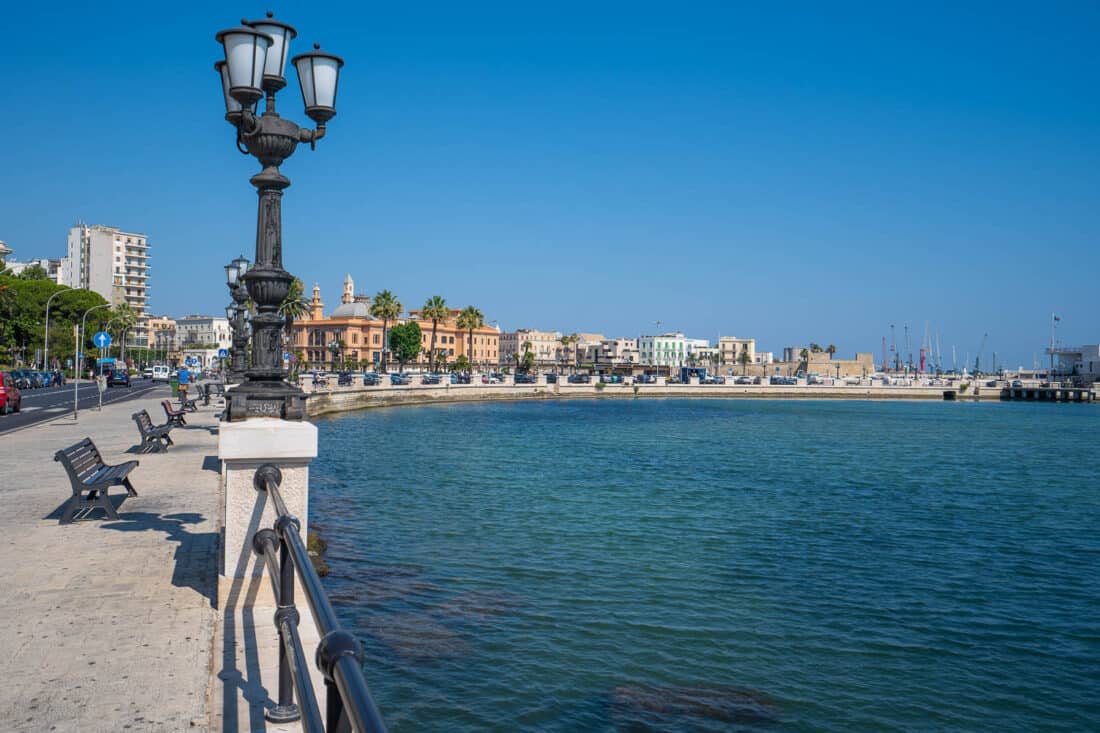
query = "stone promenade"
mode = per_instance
[{"x": 109, "y": 625}]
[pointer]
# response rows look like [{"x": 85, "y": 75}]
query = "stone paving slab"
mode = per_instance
[{"x": 109, "y": 625}]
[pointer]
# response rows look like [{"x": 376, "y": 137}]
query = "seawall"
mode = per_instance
[{"x": 341, "y": 399}]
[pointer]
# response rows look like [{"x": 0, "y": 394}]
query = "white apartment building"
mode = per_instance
[
  {"x": 666, "y": 349},
  {"x": 114, "y": 264},
  {"x": 614, "y": 351},
  {"x": 195, "y": 331},
  {"x": 545, "y": 345}
]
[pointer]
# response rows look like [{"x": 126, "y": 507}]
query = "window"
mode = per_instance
[{"x": 376, "y": 340}]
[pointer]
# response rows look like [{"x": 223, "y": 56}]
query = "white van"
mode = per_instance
[{"x": 160, "y": 373}]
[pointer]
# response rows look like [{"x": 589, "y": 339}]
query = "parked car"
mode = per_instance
[
  {"x": 551, "y": 378},
  {"x": 11, "y": 399},
  {"x": 430, "y": 379},
  {"x": 344, "y": 379},
  {"x": 646, "y": 379},
  {"x": 579, "y": 379},
  {"x": 160, "y": 373},
  {"x": 370, "y": 379},
  {"x": 714, "y": 380},
  {"x": 118, "y": 378},
  {"x": 743, "y": 380},
  {"x": 526, "y": 379},
  {"x": 400, "y": 379},
  {"x": 491, "y": 379},
  {"x": 147, "y": 373},
  {"x": 460, "y": 378}
]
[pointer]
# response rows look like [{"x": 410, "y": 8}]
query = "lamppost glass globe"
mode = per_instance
[
  {"x": 318, "y": 76},
  {"x": 281, "y": 35},
  {"x": 246, "y": 56}
]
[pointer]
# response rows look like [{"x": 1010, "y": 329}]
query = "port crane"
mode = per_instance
[{"x": 978, "y": 358}]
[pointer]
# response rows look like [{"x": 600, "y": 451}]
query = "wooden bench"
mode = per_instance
[
  {"x": 212, "y": 389},
  {"x": 153, "y": 437},
  {"x": 174, "y": 414},
  {"x": 91, "y": 478},
  {"x": 189, "y": 404}
]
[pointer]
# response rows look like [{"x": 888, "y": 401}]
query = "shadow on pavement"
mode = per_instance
[{"x": 196, "y": 554}]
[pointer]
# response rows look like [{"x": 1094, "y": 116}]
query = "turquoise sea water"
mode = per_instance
[{"x": 707, "y": 565}]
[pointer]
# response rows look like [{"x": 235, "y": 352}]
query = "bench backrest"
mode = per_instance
[
  {"x": 144, "y": 422},
  {"x": 80, "y": 460},
  {"x": 169, "y": 410}
]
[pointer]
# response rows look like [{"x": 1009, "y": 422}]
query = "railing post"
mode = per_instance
[{"x": 286, "y": 710}]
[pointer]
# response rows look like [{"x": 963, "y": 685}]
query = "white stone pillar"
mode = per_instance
[{"x": 243, "y": 447}]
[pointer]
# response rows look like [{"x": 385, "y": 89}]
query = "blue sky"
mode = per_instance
[{"x": 793, "y": 173}]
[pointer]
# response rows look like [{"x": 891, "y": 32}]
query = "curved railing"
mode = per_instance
[{"x": 349, "y": 707}]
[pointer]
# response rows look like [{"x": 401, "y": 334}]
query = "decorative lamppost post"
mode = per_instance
[
  {"x": 238, "y": 353},
  {"x": 254, "y": 66}
]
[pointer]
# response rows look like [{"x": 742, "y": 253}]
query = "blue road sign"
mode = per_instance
[
  {"x": 286, "y": 356},
  {"x": 102, "y": 339},
  {"x": 223, "y": 353},
  {"x": 192, "y": 361}
]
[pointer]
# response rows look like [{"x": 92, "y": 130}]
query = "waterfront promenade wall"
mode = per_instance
[{"x": 325, "y": 400}]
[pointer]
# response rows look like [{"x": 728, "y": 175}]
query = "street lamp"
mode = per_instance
[
  {"x": 46, "y": 344},
  {"x": 76, "y": 357},
  {"x": 254, "y": 66},
  {"x": 234, "y": 272}
]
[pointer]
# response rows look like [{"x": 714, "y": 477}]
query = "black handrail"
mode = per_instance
[{"x": 349, "y": 706}]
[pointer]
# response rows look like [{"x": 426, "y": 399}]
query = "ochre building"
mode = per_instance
[{"x": 351, "y": 333}]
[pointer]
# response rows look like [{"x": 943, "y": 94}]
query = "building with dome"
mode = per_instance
[{"x": 351, "y": 334}]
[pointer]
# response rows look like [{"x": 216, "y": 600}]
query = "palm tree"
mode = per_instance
[
  {"x": 805, "y": 356},
  {"x": 743, "y": 359},
  {"x": 294, "y": 305},
  {"x": 387, "y": 307},
  {"x": 830, "y": 350},
  {"x": 567, "y": 342},
  {"x": 435, "y": 308},
  {"x": 469, "y": 319},
  {"x": 126, "y": 318}
]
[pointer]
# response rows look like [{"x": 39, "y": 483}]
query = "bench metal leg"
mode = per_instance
[
  {"x": 104, "y": 502},
  {"x": 130, "y": 490},
  {"x": 71, "y": 507}
]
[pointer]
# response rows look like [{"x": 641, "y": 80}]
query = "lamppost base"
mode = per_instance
[{"x": 265, "y": 399}]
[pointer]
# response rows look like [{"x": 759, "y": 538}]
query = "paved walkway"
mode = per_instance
[{"x": 109, "y": 625}]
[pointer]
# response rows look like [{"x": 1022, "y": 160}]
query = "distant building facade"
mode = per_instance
[
  {"x": 667, "y": 349},
  {"x": 1077, "y": 361},
  {"x": 351, "y": 334},
  {"x": 545, "y": 345},
  {"x": 114, "y": 264},
  {"x": 730, "y": 349},
  {"x": 194, "y": 332},
  {"x": 52, "y": 267}
]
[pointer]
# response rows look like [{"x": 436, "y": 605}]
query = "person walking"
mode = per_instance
[{"x": 184, "y": 383}]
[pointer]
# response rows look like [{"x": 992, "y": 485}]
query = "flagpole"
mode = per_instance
[{"x": 1050, "y": 375}]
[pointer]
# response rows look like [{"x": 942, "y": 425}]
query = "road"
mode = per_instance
[{"x": 40, "y": 405}]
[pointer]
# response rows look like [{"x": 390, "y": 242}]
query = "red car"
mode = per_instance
[{"x": 11, "y": 399}]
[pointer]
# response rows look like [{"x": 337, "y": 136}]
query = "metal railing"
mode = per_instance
[{"x": 349, "y": 707}]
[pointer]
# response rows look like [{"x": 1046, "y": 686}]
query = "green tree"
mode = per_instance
[
  {"x": 830, "y": 350},
  {"x": 387, "y": 307},
  {"x": 435, "y": 309},
  {"x": 405, "y": 340},
  {"x": 743, "y": 359},
  {"x": 294, "y": 305},
  {"x": 804, "y": 355},
  {"x": 23, "y": 315},
  {"x": 461, "y": 364},
  {"x": 528, "y": 357},
  {"x": 469, "y": 320},
  {"x": 567, "y": 343},
  {"x": 34, "y": 272},
  {"x": 124, "y": 318}
]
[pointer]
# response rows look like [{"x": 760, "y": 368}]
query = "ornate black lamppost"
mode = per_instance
[
  {"x": 234, "y": 272},
  {"x": 255, "y": 61}
]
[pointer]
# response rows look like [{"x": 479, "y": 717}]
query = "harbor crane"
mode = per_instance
[{"x": 978, "y": 358}]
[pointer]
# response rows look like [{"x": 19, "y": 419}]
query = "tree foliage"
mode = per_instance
[
  {"x": 405, "y": 339},
  {"x": 23, "y": 317},
  {"x": 34, "y": 272}
]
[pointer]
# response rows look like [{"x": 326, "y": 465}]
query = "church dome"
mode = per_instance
[{"x": 355, "y": 309}]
